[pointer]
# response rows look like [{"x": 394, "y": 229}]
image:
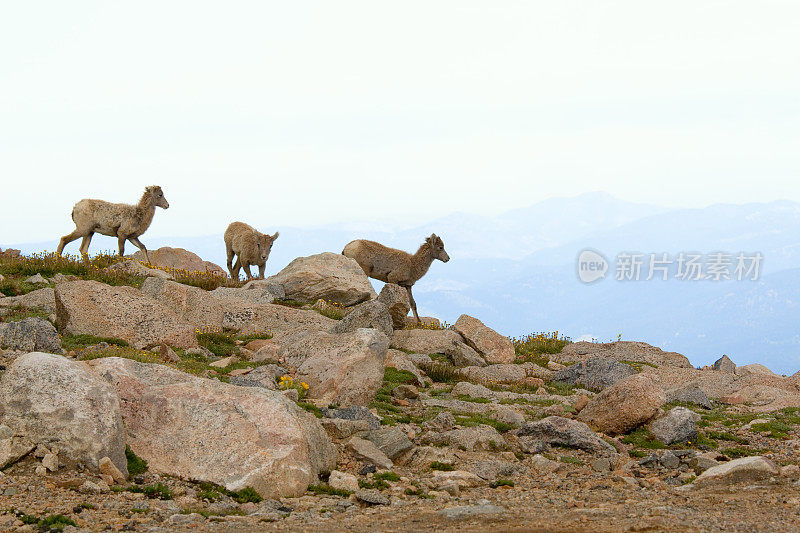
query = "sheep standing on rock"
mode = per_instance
[
  {"x": 250, "y": 246},
  {"x": 396, "y": 266},
  {"x": 123, "y": 221}
]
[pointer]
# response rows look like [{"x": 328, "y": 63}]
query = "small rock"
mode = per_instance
[
  {"x": 40, "y": 451},
  {"x": 539, "y": 436},
  {"x": 355, "y": 412},
  {"x": 343, "y": 481},
  {"x": 367, "y": 469},
  {"x": 89, "y": 487},
  {"x": 677, "y": 425},
  {"x": 701, "y": 463},
  {"x": 292, "y": 394},
  {"x": 227, "y": 361},
  {"x": 339, "y": 428},
  {"x": 597, "y": 373},
  {"x": 724, "y": 364},
  {"x": 603, "y": 464},
  {"x": 366, "y": 451},
  {"x": 168, "y": 354},
  {"x": 40, "y": 470},
  {"x": 444, "y": 421},
  {"x": 372, "y": 497},
  {"x": 462, "y": 478},
  {"x": 690, "y": 393},
  {"x": 391, "y": 441},
  {"x": 37, "y": 278},
  {"x": 669, "y": 460},
  {"x": 405, "y": 391},
  {"x": 107, "y": 467},
  {"x": 746, "y": 469},
  {"x": 467, "y": 511},
  {"x": 580, "y": 403},
  {"x": 50, "y": 461}
]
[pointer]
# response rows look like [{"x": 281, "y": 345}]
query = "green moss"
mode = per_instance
[
  {"x": 387, "y": 476},
  {"x": 57, "y": 522},
  {"x": 774, "y": 429},
  {"x": 136, "y": 465},
  {"x": 501, "y": 483},
  {"x": 477, "y": 419},
  {"x": 642, "y": 438},
  {"x": 311, "y": 408},
  {"x": 21, "y": 313},
  {"x": 724, "y": 435},
  {"x": 736, "y": 452},
  {"x": 155, "y": 491},
  {"x": 80, "y": 342},
  {"x": 444, "y": 467},
  {"x": 570, "y": 460}
]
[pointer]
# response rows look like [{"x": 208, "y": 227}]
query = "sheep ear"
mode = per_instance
[{"x": 275, "y": 236}]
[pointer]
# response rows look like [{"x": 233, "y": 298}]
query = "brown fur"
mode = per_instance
[
  {"x": 124, "y": 221},
  {"x": 396, "y": 266},
  {"x": 250, "y": 246}
]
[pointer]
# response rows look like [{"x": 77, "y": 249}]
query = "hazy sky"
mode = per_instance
[{"x": 297, "y": 113}]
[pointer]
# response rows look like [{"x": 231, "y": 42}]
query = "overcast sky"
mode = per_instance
[{"x": 299, "y": 113}]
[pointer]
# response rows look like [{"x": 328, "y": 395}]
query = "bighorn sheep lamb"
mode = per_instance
[
  {"x": 396, "y": 266},
  {"x": 123, "y": 221},
  {"x": 250, "y": 246}
]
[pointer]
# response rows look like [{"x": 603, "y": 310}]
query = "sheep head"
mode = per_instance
[
  {"x": 265, "y": 245},
  {"x": 437, "y": 248},
  {"x": 157, "y": 196}
]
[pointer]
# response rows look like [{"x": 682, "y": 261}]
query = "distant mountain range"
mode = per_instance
[{"x": 517, "y": 272}]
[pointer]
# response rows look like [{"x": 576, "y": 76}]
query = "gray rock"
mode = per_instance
[
  {"x": 468, "y": 511},
  {"x": 354, "y": 412},
  {"x": 392, "y": 441},
  {"x": 444, "y": 421},
  {"x": 62, "y": 404},
  {"x": 343, "y": 368},
  {"x": 677, "y": 425},
  {"x": 13, "y": 447},
  {"x": 256, "y": 291},
  {"x": 689, "y": 393},
  {"x": 492, "y": 470},
  {"x": 325, "y": 276},
  {"x": 36, "y": 278},
  {"x": 265, "y": 376},
  {"x": 31, "y": 335},
  {"x": 372, "y": 314},
  {"x": 595, "y": 374},
  {"x": 480, "y": 437},
  {"x": 536, "y": 437},
  {"x": 746, "y": 469},
  {"x": 372, "y": 497},
  {"x": 669, "y": 460},
  {"x": 339, "y": 428},
  {"x": 601, "y": 464},
  {"x": 366, "y": 451},
  {"x": 701, "y": 463},
  {"x": 724, "y": 364},
  {"x": 395, "y": 298}
]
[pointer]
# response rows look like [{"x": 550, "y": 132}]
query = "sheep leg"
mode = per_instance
[
  {"x": 136, "y": 242},
  {"x": 229, "y": 252},
  {"x": 66, "y": 239},
  {"x": 246, "y": 266},
  {"x": 121, "y": 244},
  {"x": 261, "y": 269},
  {"x": 413, "y": 304},
  {"x": 235, "y": 270},
  {"x": 84, "y": 249}
]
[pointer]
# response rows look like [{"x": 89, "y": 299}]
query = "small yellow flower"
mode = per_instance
[{"x": 304, "y": 384}]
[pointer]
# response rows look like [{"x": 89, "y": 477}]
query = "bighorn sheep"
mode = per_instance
[
  {"x": 123, "y": 221},
  {"x": 250, "y": 246},
  {"x": 396, "y": 266}
]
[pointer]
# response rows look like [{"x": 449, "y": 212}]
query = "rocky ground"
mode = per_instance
[{"x": 149, "y": 399}]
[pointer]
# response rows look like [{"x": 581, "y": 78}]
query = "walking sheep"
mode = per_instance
[
  {"x": 250, "y": 246},
  {"x": 396, "y": 266},
  {"x": 123, "y": 221}
]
